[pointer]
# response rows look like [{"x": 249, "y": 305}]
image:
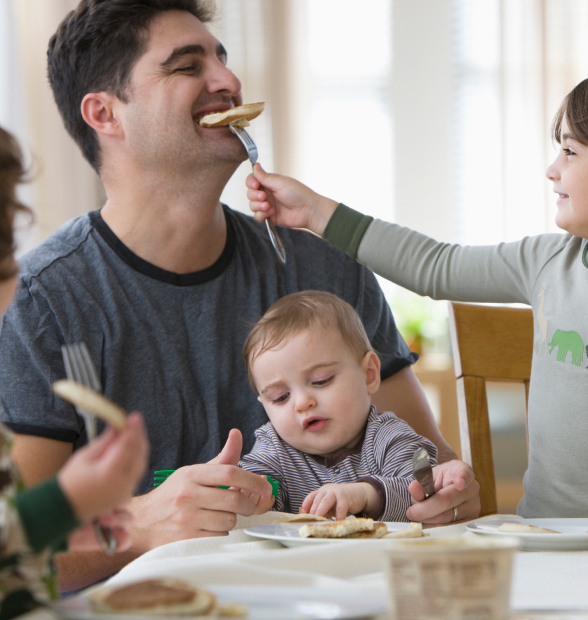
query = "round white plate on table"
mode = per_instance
[
  {"x": 288, "y": 534},
  {"x": 263, "y": 603},
  {"x": 573, "y": 534}
]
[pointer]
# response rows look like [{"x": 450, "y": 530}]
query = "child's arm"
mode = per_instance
[
  {"x": 287, "y": 201},
  {"x": 95, "y": 480},
  {"x": 341, "y": 500},
  {"x": 501, "y": 273}
]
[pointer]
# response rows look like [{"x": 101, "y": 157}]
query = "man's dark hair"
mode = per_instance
[{"x": 95, "y": 49}]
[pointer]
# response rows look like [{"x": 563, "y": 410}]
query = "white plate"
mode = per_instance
[
  {"x": 264, "y": 603},
  {"x": 573, "y": 536},
  {"x": 288, "y": 534}
]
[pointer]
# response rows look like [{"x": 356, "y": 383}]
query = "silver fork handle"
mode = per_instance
[
  {"x": 105, "y": 537},
  {"x": 273, "y": 235}
]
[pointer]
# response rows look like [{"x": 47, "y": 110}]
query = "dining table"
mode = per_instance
[{"x": 345, "y": 579}]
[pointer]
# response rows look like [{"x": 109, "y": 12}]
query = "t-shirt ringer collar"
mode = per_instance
[{"x": 152, "y": 271}]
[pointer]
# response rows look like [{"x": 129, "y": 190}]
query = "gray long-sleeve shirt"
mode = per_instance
[{"x": 549, "y": 273}]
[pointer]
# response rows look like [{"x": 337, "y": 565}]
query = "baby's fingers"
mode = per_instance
[
  {"x": 322, "y": 505},
  {"x": 308, "y": 501}
]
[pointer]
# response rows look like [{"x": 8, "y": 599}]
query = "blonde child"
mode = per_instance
[
  {"x": 311, "y": 363},
  {"x": 548, "y": 272},
  {"x": 95, "y": 480}
]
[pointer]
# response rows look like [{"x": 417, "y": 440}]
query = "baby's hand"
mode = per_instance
[
  {"x": 339, "y": 500},
  {"x": 104, "y": 474},
  {"x": 287, "y": 202}
]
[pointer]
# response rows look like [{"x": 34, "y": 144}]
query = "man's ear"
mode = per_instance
[
  {"x": 98, "y": 110},
  {"x": 371, "y": 367}
]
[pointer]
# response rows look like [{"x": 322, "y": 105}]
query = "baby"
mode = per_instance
[{"x": 311, "y": 363}]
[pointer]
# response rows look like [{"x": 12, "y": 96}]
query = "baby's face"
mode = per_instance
[{"x": 315, "y": 391}]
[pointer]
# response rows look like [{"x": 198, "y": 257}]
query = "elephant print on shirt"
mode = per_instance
[{"x": 568, "y": 342}]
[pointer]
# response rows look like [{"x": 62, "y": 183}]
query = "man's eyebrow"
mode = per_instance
[{"x": 186, "y": 50}]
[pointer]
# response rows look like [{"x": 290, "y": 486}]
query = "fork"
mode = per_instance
[
  {"x": 80, "y": 368},
  {"x": 251, "y": 149}
]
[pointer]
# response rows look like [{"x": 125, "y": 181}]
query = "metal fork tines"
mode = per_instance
[
  {"x": 251, "y": 149},
  {"x": 80, "y": 368}
]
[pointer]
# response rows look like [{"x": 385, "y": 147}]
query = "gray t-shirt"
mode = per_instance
[{"x": 165, "y": 344}]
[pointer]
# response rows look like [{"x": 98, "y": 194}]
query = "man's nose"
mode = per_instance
[{"x": 223, "y": 79}]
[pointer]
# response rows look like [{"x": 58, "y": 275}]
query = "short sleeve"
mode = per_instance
[
  {"x": 380, "y": 326},
  {"x": 30, "y": 361}
]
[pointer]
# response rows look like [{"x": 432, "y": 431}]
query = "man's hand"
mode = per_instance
[
  {"x": 287, "y": 202},
  {"x": 340, "y": 500},
  {"x": 263, "y": 503},
  {"x": 455, "y": 486},
  {"x": 188, "y": 504}
]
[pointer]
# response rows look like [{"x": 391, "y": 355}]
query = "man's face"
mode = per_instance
[{"x": 181, "y": 77}]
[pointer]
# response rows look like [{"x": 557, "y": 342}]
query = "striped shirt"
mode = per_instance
[{"x": 383, "y": 458}]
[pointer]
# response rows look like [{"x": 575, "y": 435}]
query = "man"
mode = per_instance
[{"x": 164, "y": 281}]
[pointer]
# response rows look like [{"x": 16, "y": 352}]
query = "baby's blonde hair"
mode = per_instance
[{"x": 297, "y": 312}]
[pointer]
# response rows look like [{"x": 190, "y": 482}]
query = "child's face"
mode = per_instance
[
  {"x": 569, "y": 173},
  {"x": 315, "y": 391}
]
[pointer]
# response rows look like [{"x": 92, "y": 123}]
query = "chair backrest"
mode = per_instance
[{"x": 489, "y": 342}]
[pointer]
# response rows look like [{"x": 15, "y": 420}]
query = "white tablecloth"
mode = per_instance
[{"x": 542, "y": 581}]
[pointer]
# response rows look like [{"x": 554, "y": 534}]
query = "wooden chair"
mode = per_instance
[{"x": 489, "y": 342}]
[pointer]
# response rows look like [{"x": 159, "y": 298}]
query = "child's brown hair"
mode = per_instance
[
  {"x": 574, "y": 108},
  {"x": 12, "y": 172},
  {"x": 297, "y": 312}
]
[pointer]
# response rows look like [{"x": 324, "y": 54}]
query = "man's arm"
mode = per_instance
[
  {"x": 454, "y": 480},
  {"x": 39, "y": 458},
  {"x": 403, "y": 395},
  {"x": 187, "y": 505}
]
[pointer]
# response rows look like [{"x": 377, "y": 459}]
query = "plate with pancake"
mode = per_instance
[
  {"x": 554, "y": 534},
  {"x": 260, "y": 603},
  {"x": 292, "y": 534}
]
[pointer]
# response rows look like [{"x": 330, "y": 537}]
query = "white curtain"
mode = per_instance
[
  {"x": 515, "y": 60},
  {"x": 64, "y": 184}
]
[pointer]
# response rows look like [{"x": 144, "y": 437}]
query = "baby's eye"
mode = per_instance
[
  {"x": 281, "y": 399},
  {"x": 324, "y": 381}
]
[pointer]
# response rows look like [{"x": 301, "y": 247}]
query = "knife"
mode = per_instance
[{"x": 423, "y": 472}]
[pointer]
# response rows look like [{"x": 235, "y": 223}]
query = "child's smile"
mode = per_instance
[{"x": 315, "y": 391}]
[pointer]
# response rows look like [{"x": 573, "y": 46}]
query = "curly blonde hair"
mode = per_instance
[{"x": 12, "y": 172}]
